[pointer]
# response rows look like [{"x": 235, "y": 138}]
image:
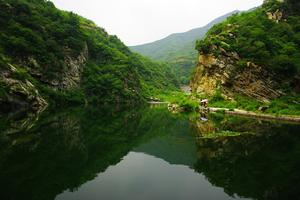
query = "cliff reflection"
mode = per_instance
[{"x": 261, "y": 162}]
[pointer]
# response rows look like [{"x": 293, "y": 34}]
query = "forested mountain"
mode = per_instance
[
  {"x": 49, "y": 55},
  {"x": 254, "y": 54},
  {"x": 178, "y": 49}
]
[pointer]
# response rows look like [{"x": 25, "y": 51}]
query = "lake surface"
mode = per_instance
[{"x": 146, "y": 153}]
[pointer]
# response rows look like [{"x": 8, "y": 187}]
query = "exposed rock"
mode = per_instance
[
  {"x": 223, "y": 73},
  {"x": 20, "y": 121},
  {"x": 174, "y": 108},
  {"x": 263, "y": 108},
  {"x": 21, "y": 93},
  {"x": 69, "y": 77},
  {"x": 154, "y": 99},
  {"x": 276, "y": 16}
]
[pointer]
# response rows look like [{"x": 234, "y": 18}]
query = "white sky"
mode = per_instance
[{"x": 142, "y": 21}]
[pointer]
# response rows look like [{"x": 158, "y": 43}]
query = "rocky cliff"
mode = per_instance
[
  {"x": 251, "y": 54},
  {"x": 223, "y": 74},
  {"x": 18, "y": 92}
]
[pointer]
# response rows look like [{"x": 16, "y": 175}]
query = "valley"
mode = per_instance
[{"x": 84, "y": 116}]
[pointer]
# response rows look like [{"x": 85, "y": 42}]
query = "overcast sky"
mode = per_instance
[{"x": 141, "y": 21}]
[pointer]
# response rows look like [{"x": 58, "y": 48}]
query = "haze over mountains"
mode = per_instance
[{"x": 178, "y": 49}]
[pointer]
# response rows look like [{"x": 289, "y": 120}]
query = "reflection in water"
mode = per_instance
[
  {"x": 148, "y": 153},
  {"x": 140, "y": 176},
  {"x": 261, "y": 165}
]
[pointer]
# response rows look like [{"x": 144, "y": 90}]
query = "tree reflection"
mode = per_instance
[{"x": 261, "y": 165}]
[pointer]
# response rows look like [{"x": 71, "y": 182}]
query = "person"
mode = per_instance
[{"x": 204, "y": 103}]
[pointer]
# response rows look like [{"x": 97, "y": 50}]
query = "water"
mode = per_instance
[{"x": 146, "y": 153}]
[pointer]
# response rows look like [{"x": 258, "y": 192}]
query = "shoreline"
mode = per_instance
[
  {"x": 256, "y": 115},
  {"x": 157, "y": 102}
]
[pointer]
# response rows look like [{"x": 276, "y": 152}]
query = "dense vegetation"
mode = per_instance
[
  {"x": 178, "y": 49},
  {"x": 274, "y": 44},
  {"x": 47, "y": 44},
  {"x": 269, "y": 37}
]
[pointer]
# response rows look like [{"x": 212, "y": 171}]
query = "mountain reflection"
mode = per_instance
[{"x": 63, "y": 149}]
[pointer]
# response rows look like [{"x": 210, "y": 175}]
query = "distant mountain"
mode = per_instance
[{"x": 178, "y": 49}]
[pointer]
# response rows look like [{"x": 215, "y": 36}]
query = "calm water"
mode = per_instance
[{"x": 146, "y": 153}]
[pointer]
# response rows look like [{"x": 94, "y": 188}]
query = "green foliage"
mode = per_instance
[
  {"x": 21, "y": 74},
  {"x": 241, "y": 102},
  {"x": 63, "y": 98},
  {"x": 259, "y": 39},
  {"x": 46, "y": 41},
  {"x": 286, "y": 105},
  {"x": 37, "y": 29},
  {"x": 185, "y": 101},
  {"x": 3, "y": 90},
  {"x": 203, "y": 46}
]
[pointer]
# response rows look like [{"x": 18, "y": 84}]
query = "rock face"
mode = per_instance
[
  {"x": 23, "y": 94},
  {"x": 276, "y": 16},
  {"x": 69, "y": 77},
  {"x": 20, "y": 92},
  {"x": 224, "y": 74}
]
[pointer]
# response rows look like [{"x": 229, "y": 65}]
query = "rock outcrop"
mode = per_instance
[
  {"x": 276, "y": 16},
  {"x": 69, "y": 77},
  {"x": 224, "y": 74},
  {"x": 19, "y": 93}
]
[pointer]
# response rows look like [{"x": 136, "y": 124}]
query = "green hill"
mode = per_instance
[
  {"x": 49, "y": 55},
  {"x": 178, "y": 49}
]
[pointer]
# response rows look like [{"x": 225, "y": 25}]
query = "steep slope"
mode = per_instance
[
  {"x": 254, "y": 54},
  {"x": 178, "y": 49},
  {"x": 50, "y": 55}
]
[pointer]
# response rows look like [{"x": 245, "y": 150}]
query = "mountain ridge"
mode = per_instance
[
  {"x": 210, "y": 24},
  {"x": 178, "y": 49}
]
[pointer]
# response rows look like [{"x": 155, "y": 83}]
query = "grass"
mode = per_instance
[
  {"x": 185, "y": 101},
  {"x": 222, "y": 134},
  {"x": 286, "y": 105}
]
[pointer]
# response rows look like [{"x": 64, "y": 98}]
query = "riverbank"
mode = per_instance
[{"x": 256, "y": 115}]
